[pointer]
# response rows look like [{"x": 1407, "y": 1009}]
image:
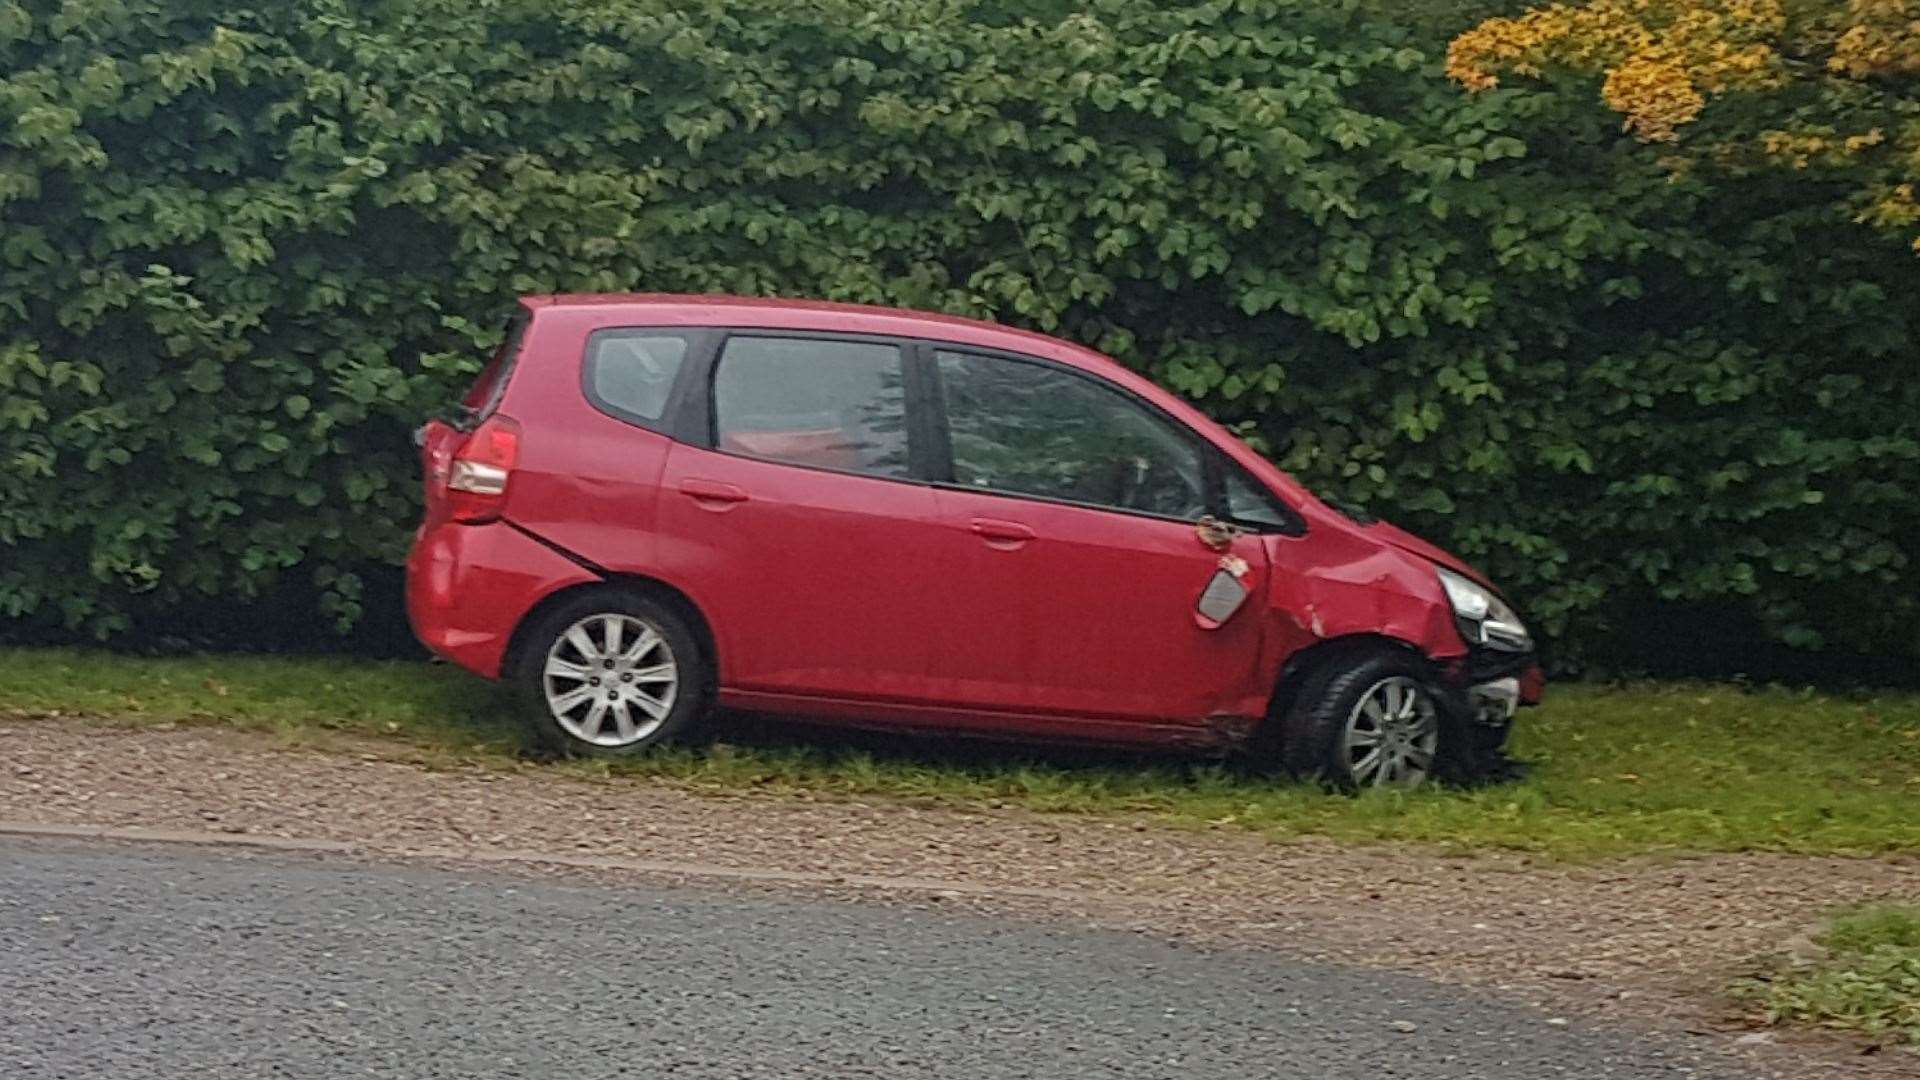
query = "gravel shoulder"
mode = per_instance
[{"x": 1643, "y": 942}]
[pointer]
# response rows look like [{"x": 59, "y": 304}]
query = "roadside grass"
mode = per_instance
[
  {"x": 1682, "y": 767},
  {"x": 1867, "y": 979}
]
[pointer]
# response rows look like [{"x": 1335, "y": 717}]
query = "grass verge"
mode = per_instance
[
  {"x": 1617, "y": 770},
  {"x": 1866, "y": 980}
]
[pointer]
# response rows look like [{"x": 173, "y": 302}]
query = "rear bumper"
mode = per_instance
[{"x": 468, "y": 587}]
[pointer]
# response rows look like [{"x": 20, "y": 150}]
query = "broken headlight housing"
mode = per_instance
[{"x": 1483, "y": 617}]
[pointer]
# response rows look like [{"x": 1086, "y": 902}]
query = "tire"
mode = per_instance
[
  {"x": 1379, "y": 698},
  {"x": 582, "y": 698}
]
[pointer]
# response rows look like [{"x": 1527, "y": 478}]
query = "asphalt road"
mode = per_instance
[{"x": 128, "y": 962}]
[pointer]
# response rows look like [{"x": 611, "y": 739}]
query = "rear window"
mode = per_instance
[
  {"x": 631, "y": 373},
  {"x": 485, "y": 393}
]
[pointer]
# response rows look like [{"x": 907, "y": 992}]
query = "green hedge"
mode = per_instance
[{"x": 245, "y": 247}]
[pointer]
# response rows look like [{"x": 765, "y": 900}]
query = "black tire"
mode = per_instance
[
  {"x": 1314, "y": 733},
  {"x": 567, "y": 731}
]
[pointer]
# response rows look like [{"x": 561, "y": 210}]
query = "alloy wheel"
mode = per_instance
[
  {"x": 1392, "y": 734},
  {"x": 610, "y": 680}
]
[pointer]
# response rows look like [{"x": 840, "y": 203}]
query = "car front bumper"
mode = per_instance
[{"x": 1489, "y": 686}]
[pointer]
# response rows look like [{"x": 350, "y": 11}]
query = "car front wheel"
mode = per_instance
[
  {"x": 610, "y": 673},
  {"x": 1372, "y": 721}
]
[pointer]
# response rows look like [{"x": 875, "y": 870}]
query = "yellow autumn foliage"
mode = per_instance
[
  {"x": 1663, "y": 61},
  {"x": 1882, "y": 38},
  {"x": 1662, "y": 58}
]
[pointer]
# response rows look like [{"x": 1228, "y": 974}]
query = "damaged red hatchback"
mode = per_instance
[{"x": 649, "y": 505}]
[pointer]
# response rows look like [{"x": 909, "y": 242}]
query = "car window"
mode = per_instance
[
  {"x": 1034, "y": 429},
  {"x": 812, "y": 401},
  {"x": 633, "y": 371},
  {"x": 484, "y": 395},
  {"x": 1250, "y": 504}
]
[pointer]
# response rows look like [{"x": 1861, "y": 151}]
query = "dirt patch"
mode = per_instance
[{"x": 1646, "y": 941}]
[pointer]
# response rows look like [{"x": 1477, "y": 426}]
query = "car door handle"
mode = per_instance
[
  {"x": 712, "y": 491},
  {"x": 1001, "y": 532}
]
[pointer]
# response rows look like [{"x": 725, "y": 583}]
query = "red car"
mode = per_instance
[{"x": 652, "y": 505}]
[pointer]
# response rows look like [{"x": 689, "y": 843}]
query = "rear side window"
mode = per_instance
[
  {"x": 822, "y": 403},
  {"x": 631, "y": 373}
]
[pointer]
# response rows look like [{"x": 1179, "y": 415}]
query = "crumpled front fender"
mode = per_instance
[{"x": 1335, "y": 585}]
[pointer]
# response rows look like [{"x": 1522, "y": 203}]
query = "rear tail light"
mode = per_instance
[{"x": 478, "y": 474}]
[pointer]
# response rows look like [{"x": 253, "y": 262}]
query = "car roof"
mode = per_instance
[{"x": 821, "y": 315}]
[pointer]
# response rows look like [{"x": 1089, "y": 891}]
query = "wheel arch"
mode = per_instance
[
  {"x": 1300, "y": 668},
  {"x": 651, "y": 587}
]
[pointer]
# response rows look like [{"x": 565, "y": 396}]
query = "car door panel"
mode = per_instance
[
  {"x": 802, "y": 535},
  {"x": 1070, "y": 511},
  {"x": 809, "y": 577},
  {"x": 1093, "y": 616}
]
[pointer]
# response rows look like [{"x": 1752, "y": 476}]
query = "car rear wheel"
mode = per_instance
[
  {"x": 1368, "y": 721},
  {"x": 610, "y": 672}
]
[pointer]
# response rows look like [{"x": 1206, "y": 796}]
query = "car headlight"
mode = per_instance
[{"x": 1484, "y": 618}]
